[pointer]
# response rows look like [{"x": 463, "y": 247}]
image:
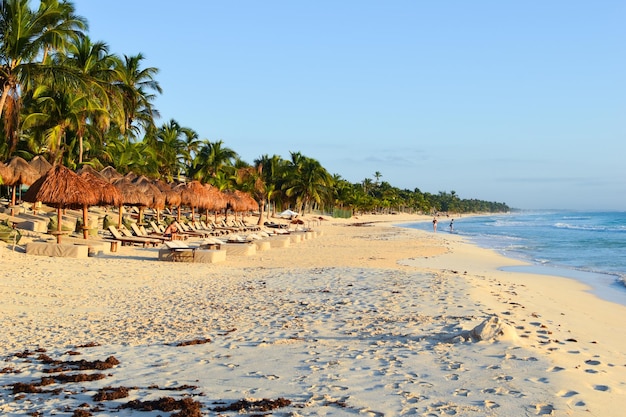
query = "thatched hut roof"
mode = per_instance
[
  {"x": 110, "y": 174},
  {"x": 62, "y": 188},
  {"x": 131, "y": 194},
  {"x": 5, "y": 172},
  {"x": 240, "y": 201},
  {"x": 147, "y": 187},
  {"x": 172, "y": 196},
  {"x": 216, "y": 199},
  {"x": 193, "y": 194},
  {"x": 20, "y": 172},
  {"x": 40, "y": 164},
  {"x": 108, "y": 194}
]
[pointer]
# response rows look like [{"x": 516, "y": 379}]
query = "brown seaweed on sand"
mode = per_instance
[
  {"x": 259, "y": 405},
  {"x": 194, "y": 342},
  {"x": 110, "y": 393},
  {"x": 187, "y": 406}
]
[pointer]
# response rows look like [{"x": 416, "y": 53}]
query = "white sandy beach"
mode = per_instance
[{"x": 363, "y": 320}]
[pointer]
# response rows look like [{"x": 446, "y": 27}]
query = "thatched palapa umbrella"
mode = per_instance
[
  {"x": 5, "y": 172},
  {"x": 171, "y": 194},
  {"x": 156, "y": 197},
  {"x": 108, "y": 194},
  {"x": 61, "y": 188},
  {"x": 131, "y": 195},
  {"x": 110, "y": 174},
  {"x": 216, "y": 200},
  {"x": 193, "y": 194},
  {"x": 20, "y": 172},
  {"x": 40, "y": 164}
]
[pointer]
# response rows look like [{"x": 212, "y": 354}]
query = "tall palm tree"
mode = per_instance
[
  {"x": 170, "y": 143},
  {"x": 272, "y": 169},
  {"x": 307, "y": 181},
  {"x": 135, "y": 85},
  {"x": 211, "y": 159},
  {"x": 250, "y": 179},
  {"x": 94, "y": 62},
  {"x": 26, "y": 36}
]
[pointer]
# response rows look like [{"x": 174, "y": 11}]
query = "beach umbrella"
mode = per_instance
[
  {"x": 288, "y": 214},
  {"x": 171, "y": 194},
  {"x": 216, "y": 200},
  {"x": 131, "y": 196},
  {"x": 40, "y": 164},
  {"x": 110, "y": 174},
  {"x": 61, "y": 188},
  {"x": 108, "y": 194},
  {"x": 193, "y": 194},
  {"x": 20, "y": 172},
  {"x": 156, "y": 199},
  {"x": 5, "y": 172}
]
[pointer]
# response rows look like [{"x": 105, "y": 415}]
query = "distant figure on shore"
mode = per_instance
[
  {"x": 451, "y": 225},
  {"x": 435, "y": 224}
]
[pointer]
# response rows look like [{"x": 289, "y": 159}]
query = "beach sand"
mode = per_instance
[{"x": 369, "y": 319}]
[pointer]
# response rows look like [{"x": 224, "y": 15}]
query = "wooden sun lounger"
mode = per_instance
[
  {"x": 139, "y": 233},
  {"x": 126, "y": 240}
]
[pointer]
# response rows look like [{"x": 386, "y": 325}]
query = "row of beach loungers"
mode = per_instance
[{"x": 198, "y": 241}]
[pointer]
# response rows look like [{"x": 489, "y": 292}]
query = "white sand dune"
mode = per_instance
[{"x": 373, "y": 320}]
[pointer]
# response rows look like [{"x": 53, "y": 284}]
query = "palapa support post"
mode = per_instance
[
  {"x": 59, "y": 232},
  {"x": 85, "y": 221}
]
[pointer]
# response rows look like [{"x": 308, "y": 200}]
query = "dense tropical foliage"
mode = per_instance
[{"x": 72, "y": 101}]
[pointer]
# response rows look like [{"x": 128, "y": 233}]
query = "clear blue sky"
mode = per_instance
[{"x": 516, "y": 102}]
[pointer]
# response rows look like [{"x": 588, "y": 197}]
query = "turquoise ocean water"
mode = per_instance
[{"x": 589, "y": 246}]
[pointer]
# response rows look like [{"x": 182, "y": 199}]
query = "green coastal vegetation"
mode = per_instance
[{"x": 71, "y": 100}]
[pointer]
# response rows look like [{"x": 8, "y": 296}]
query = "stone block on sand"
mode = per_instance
[{"x": 57, "y": 249}]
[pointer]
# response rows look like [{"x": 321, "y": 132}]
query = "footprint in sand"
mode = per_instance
[
  {"x": 567, "y": 393},
  {"x": 556, "y": 369},
  {"x": 601, "y": 387},
  {"x": 544, "y": 409},
  {"x": 462, "y": 392},
  {"x": 592, "y": 362}
]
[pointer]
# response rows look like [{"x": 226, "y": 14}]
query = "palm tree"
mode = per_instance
[
  {"x": 273, "y": 170},
  {"x": 250, "y": 179},
  {"x": 210, "y": 160},
  {"x": 94, "y": 62},
  {"x": 134, "y": 85},
  {"x": 170, "y": 144},
  {"x": 26, "y": 36},
  {"x": 377, "y": 175},
  {"x": 307, "y": 181}
]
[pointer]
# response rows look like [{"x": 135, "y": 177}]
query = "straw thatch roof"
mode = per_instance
[
  {"x": 4, "y": 172},
  {"x": 240, "y": 201},
  {"x": 110, "y": 174},
  {"x": 61, "y": 188},
  {"x": 108, "y": 194},
  {"x": 20, "y": 172},
  {"x": 172, "y": 196},
  {"x": 217, "y": 200},
  {"x": 148, "y": 188},
  {"x": 193, "y": 194},
  {"x": 131, "y": 194},
  {"x": 40, "y": 164}
]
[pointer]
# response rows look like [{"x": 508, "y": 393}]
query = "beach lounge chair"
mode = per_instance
[
  {"x": 177, "y": 251},
  {"x": 186, "y": 229},
  {"x": 132, "y": 240},
  {"x": 142, "y": 233}
]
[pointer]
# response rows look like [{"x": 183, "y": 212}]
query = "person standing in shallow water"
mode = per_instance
[
  {"x": 435, "y": 224},
  {"x": 451, "y": 225}
]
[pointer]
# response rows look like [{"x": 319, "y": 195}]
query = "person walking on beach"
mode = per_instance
[
  {"x": 451, "y": 225},
  {"x": 435, "y": 224}
]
